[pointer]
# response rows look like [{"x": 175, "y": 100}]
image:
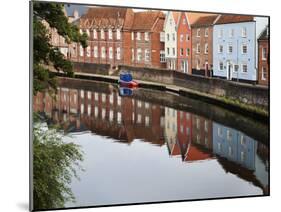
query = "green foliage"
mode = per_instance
[
  {"x": 44, "y": 54},
  {"x": 54, "y": 164}
]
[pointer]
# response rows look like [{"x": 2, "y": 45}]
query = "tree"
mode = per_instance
[
  {"x": 46, "y": 55},
  {"x": 54, "y": 164}
]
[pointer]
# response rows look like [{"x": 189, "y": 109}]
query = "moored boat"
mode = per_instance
[{"x": 126, "y": 80}]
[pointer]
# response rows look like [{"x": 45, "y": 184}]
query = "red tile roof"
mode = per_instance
[
  {"x": 193, "y": 17},
  {"x": 176, "y": 16},
  {"x": 205, "y": 21},
  {"x": 228, "y": 19},
  {"x": 145, "y": 21}
]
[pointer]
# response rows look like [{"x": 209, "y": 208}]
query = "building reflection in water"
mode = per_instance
[{"x": 188, "y": 136}]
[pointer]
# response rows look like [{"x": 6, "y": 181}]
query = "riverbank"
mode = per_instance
[{"x": 239, "y": 107}]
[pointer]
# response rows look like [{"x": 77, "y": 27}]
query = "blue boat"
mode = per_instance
[{"x": 126, "y": 79}]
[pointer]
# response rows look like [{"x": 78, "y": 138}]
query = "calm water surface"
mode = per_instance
[{"x": 147, "y": 146}]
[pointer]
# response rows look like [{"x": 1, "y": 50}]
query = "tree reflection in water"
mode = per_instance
[{"x": 54, "y": 164}]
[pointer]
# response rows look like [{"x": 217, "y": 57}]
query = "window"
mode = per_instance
[
  {"x": 187, "y": 52},
  {"x": 220, "y": 49},
  {"x": 133, "y": 54},
  {"x": 139, "y": 54},
  {"x": 244, "y": 32},
  {"x": 168, "y": 51},
  {"x": 168, "y": 36},
  {"x": 95, "y": 51},
  {"x": 244, "y": 48},
  {"x": 174, "y": 36},
  {"x": 146, "y": 36},
  {"x": 244, "y": 68},
  {"x": 162, "y": 36},
  {"x": 206, "y": 32},
  {"x": 187, "y": 37},
  {"x": 220, "y": 33},
  {"x": 110, "y": 34},
  {"x": 242, "y": 155},
  {"x": 184, "y": 21},
  {"x": 103, "y": 52},
  {"x": 181, "y": 51},
  {"x": 181, "y": 37},
  {"x": 81, "y": 51},
  {"x": 138, "y": 36},
  {"x": 242, "y": 140},
  {"x": 236, "y": 68},
  {"x": 147, "y": 55},
  {"x": 162, "y": 56},
  {"x": 118, "y": 53},
  {"x": 132, "y": 35},
  {"x": 88, "y": 32},
  {"x": 198, "y": 64},
  {"x": 198, "y": 33},
  {"x": 221, "y": 66},
  {"x": 263, "y": 73},
  {"x": 219, "y": 132},
  {"x": 174, "y": 51},
  {"x": 206, "y": 50},
  {"x": 88, "y": 51},
  {"x": 198, "y": 48},
  {"x": 95, "y": 34},
  {"x": 230, "y": 48},
  {"x": 228, "y": 135},
  {"x": 264, "y": 54},
  {"x": 171, "y": 21},
  {"x": 102, "y": 34},
  {"x": 231, "y": 33},
  {"x": 118, "y": 34},
  {"x": 110, "y": 53}
]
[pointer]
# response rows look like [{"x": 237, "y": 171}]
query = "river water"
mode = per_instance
[{"x": 148, "y": 146}]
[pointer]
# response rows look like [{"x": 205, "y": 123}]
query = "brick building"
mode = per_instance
[
  {"x": 120, "y": 36},
  {"x": 202, "y": 45},
  {"x": 263, "y": 57}
]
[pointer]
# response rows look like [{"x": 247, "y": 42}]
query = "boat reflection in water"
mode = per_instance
[{"x": 172, "y": 153}]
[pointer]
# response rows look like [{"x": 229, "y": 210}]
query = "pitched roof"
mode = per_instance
[
  {"x": 107, "y": 16},
  {"x": 264, "y": 35},
  {"x": 193, "y": 17},
  {"x": 176, "y": 16},
  {"x": 205, "y": 21},
  {"x": 228, "y": 19},
  {"x": 146, "y": 20}
]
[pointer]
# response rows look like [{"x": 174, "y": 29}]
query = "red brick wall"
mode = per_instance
[{"x": 263, "y": 63}]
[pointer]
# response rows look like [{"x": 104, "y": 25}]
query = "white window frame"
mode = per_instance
[
  {"x": 118, "y": 53},
  {"x": 139, "y": 54},
  {"x": 228, "y": 48},
  {"x": 88, "y": 51},
  {"x": 206, "y": 32},
  {"x": 242, "y": 48},
  {"x": 162, "y": 56},
  {"x": 103, "y": 53},
  {"x": 133, "y": 54},
  {"x": 174, "y": 36},
  {"x": 221, "y": 67},
  {"x": 263, "y": 53},
  {"x": 181, "y": 37},
  {"x": 146, "y": 36},
  {"x": 132, "y": 35},
  {"x": 96, "y": 51},
  {"x": 118, "y": 34},
  {"x": 110, "y": 34},
  {"x": 206, "y": 48},
  {"x": 198, "y": 64},
  {"x": 231, "y": 33},
  {"x": 146, "y": 55},
  {"x": 220, "y": 33},
  {"x": 102, "y": 34},
  {"x": 174, "y": 51},
  {"x": 242, "y": 67},
  {"x": 138, "y": 36},
  {"x": 263, "y": 71},
  {"x": 198, "y": 33},
  {"x": 198, "y": 48},
  {"x": 81, "y": 51},
  {"x": 168, "y": 51},
  {"x": 220, "y": 48},
  {"x": 95, "y": 34},
  {"x": 110, "y": 52}
]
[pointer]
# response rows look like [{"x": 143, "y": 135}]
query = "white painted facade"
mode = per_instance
[{"x": 170, "y": 29}]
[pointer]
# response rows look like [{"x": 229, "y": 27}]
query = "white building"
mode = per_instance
[{"x": 170, "y": 28}]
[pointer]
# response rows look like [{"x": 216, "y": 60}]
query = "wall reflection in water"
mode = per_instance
[{"x": 189, "y": 136}]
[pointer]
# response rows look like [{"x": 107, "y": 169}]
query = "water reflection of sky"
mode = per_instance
[{"x": 140, "y": 151}]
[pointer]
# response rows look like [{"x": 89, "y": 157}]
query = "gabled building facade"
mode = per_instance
[
  {"x": 235, "y": 47},
  {"x": 263, "y": 57},
  {"x": 202, "y": 45},
  {"x": 170, "y": 29}
]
